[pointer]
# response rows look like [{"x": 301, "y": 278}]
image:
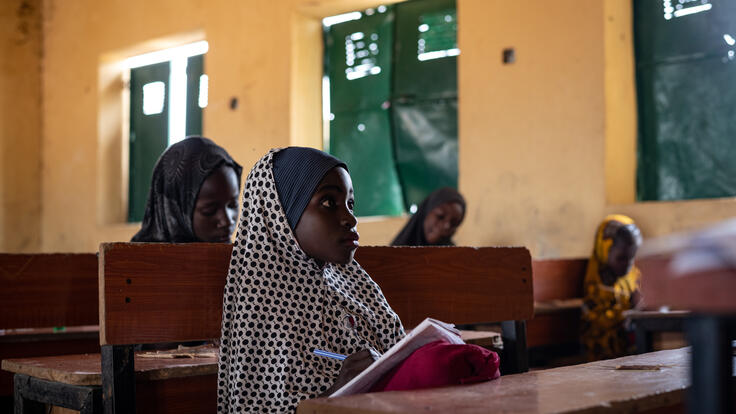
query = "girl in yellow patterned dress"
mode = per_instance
[{"x": 611, "y": 287}]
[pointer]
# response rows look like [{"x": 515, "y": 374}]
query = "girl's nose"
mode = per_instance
[
  {"x": 224, "y": 219},
  {"x": 349, "y": 220}
]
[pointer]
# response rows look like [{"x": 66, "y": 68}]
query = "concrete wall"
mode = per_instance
[
  {"x": 547, "y": 144},
  {"x": 20, "y": 125}
]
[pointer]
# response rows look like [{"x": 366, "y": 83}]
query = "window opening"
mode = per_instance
[
  {"x": 686, "y": 98},
  {"x": 168, "y": 91},
  {"x": 390, "y": 101}
]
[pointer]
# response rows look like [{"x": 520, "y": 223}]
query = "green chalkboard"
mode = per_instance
[{"x": 686, "y": 89}]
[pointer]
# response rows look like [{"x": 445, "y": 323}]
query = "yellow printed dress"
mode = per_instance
[{"x": 604, "y": 335}]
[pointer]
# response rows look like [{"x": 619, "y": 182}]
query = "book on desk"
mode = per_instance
[{"x": 427, "y": 331}]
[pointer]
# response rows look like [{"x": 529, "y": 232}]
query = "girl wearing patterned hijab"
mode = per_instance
[
  {"x": 193, "y": 196},
  {"x": 293, "y": 286},
  {"x": 436, "y": 220},
  {"x": 611, "y": 287}
]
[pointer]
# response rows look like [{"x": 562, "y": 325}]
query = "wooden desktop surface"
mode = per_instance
[
  {"x": 84, "y": 369},
  {"x": 593, "y": 387}
]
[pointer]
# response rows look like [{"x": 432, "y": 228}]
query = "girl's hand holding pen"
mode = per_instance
[{"x": 352, "y": 366}]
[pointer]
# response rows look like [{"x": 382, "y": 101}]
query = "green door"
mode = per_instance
[
  {"x": 149, "y": 130},
  {"x": 195, "y": 70}
]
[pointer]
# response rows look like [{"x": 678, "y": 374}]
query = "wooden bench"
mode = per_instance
[
  {"x": 48, "y": 306},
  {"x": 151, "y": 293},
  {"x": 650, "y": 383},
  {"x": 558, "y": 298},
  {"x": 162, "y": 293}
]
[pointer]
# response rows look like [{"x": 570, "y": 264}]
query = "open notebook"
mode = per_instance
[{"x": 429, "y": 330}]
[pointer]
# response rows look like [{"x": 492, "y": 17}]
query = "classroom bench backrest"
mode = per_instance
[
  {"x": 46, "y": 290},
  {"x": 156, "y": 292},
  {"x": 556, "y": 279},
  {"x": 164, "y": 292},
  {"x": 454, "y": 284}
]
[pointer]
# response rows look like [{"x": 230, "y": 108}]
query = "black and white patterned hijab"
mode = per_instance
[{"x": 279, "y": 305}]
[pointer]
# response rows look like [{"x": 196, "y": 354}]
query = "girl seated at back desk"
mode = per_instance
[
  {"x": 611, "y": 287},
  {"x": 193, "y": 196},
  {"x": 435, "y": 221}
]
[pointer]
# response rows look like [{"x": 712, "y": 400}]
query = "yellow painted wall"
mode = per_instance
[
  {"x": 20, "y": 125},
  {"x": 531, "y": 132},
  {"x": 546, "y": 143}
]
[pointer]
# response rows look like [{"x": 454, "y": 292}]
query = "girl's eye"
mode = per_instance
[
  {"x": 351, "y": 205},
  {"x": 208, "y": 213},
  {"x": 328, "y": 203}
]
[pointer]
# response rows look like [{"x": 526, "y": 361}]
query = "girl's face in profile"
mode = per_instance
[
  {"x": 326, "y": 230},
  {"x": 442, "y": 222},
  {"x": 216, "y": 208}
]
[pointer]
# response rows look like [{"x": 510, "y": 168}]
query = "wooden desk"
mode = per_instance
[
  {"x": 645, "y": 323},
  {"x": 172, "y": 385},
  {"x": 597, "y": 387},
  {"x": 38, "y": 292},
  {"x": 710, "y": 296},
  {"x": 186, "y": 385}
]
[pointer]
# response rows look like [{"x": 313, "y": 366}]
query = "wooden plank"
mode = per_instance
[
  {"x": 189, "y": 395},
  {"x": 84, "y": 369},
  {"x": 554, "y": 328},
  {"x": 704, "y": 292},
  {"x": 80, "y": 398},
  {"x": 558, "y": 279},
  {"x": 46, "y": 290},
  {"x": 485, "y": 339},
  {"x": 58, "y": 344},
  {"x": 181, "y": 285},
  {"x": 49, "y": 334},
  {"x": 458, "y": 285},
  {"x": 597, "y": 387}
]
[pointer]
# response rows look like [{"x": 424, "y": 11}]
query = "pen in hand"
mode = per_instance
[{"x": 328, "y": 354}]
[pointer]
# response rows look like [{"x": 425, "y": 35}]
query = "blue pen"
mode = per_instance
[{"x": 329, "y": 354}]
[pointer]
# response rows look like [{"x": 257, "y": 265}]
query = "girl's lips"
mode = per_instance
[{"x": 351, "y": 240}]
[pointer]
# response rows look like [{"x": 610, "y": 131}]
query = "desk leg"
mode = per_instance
[
  {"x": 515, "y": 358},
  {"x": 21, "y": 404},
  {"x": 118, "y": 379},
  {"x": 711, "y": 366},
  {"x": 32, "y": 394},
  {"x": 644, "y": 339}
]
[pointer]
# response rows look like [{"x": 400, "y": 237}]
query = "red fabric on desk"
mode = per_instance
[{"x": 441, "y": 363}]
